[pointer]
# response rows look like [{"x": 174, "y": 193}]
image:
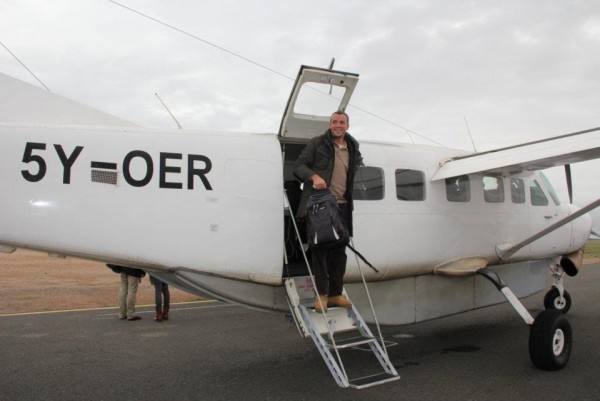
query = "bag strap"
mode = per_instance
[{"x": 362, "y": 257}]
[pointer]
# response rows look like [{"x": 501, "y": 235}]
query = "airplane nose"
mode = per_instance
[{"x": 581, "y": 228}]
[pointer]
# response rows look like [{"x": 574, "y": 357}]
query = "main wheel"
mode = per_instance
[
  {"x": 550, "y": 340},
  {"x": 553, "y": 300}
]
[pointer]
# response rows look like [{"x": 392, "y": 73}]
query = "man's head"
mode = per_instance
[{"x": 339, "y": 124}]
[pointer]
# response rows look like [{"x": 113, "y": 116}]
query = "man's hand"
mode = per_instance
[{"x": 318, "y": 182}]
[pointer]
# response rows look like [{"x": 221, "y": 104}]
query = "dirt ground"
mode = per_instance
[{"x": 35, "y": 282}]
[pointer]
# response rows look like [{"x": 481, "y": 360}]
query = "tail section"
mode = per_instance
[{"x": 22, "y": 103}]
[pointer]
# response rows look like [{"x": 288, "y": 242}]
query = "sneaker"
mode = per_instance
[{"x": 134, "y": 318}]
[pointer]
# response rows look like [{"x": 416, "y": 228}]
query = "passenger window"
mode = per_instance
[
  {"x": 368, "y": 184},
  {"x": 410, "y": 185},
  {"x": 517, "y": 190},
  {"x": 537, "y": 194},
  {"x": 493, "y": 189},
  {"x": 458, "y": 189}
]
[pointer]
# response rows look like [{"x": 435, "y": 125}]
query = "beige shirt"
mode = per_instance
[{"x": 340, "y": 172}]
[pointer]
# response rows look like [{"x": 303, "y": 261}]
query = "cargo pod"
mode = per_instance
[{"x": 316, "y": 94}]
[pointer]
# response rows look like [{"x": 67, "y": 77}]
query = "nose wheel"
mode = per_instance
[{"x": 553, "y": 300}]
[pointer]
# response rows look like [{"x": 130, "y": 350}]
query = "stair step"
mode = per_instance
[
  {"x": 350, "y": 342},
  {"x": 373, "y": 380},
  {"x": 348, "y": 330}
]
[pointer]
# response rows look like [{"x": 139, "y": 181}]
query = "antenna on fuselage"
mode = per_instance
[
  {"x": 470, "y": 136},
  {"x": 331, "y": 68},
  {"x": 169, "y": 111}
]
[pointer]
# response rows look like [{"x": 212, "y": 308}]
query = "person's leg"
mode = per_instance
[
  {"x": 131, "y": 297},
  {"x": 158, "y": 301},
  {"x": 166, "y": 300},
  {"x": 319, "y": 270},
  {"x": 336, "y": 264},
  {"x": 123, "y": 297},
  {"x": 337, "y": 269}
]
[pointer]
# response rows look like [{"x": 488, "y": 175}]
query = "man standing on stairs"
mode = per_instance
[{"x": 330, "y": 161}]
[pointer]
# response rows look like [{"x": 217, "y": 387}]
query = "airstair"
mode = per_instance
[{"x": 337, "y": 330}]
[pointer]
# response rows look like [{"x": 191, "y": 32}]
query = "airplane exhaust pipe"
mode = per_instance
[{"x": 572, "y": 262}]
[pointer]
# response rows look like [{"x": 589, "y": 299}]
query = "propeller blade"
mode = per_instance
[{"x": 569, "y": 182}]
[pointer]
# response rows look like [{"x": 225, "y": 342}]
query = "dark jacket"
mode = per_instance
[
  {"x": 130, "y": 271},
  {"x": 317, "y": 158}
]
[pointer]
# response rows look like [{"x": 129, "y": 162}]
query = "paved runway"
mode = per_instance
[{"x": 216, "y": 351}]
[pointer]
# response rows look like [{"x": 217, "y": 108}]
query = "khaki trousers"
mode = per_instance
[{"x": 127, "y": 296}]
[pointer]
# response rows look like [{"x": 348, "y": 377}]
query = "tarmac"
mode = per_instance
[{"x": 217, "y": 351}]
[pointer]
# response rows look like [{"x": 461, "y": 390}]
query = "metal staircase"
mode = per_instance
[{"x": 337, "y": 330}]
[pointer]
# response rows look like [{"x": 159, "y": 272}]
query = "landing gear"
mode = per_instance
[
  {"x": 553, "y": 300},
  {"x": 550, "y": 337},
  {"x": 550, "y": 340},
  {"x": 557, "y": 297}
]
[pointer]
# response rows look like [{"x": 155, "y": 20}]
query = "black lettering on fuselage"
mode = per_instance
[
  {"x": 169, "y": 169},
  {"x": 67, "y": 162},
  {"x": 149, "y": 168},
  {"x": 200, "y": 172},
  {"x": 164, "y": 169},
  {"x": 29, "y": 157}
]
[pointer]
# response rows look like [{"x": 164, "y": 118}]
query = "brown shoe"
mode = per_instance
[
  {"x": 321, "y": 300},
  {"x": 341, "y": 301},
  {"x": 165, "y": 314},
  {"x": 158, "y": 317}
]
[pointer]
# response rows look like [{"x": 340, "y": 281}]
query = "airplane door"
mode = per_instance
[
  {"x": 547, "y": 211},
  {"x": 316, "y": 95}
]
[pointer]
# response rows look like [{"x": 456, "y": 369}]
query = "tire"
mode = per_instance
[
  {"x": 552, "y": 300},
  {"x": 550, "y": 340}
]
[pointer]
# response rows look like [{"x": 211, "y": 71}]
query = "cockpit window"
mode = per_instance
[
  {"x": 550, "y": 189},
  {"x": 458, "y": 189},
  {"x": 493, "y": 189},
  {"x": 368, "y": 184},
  {"x": 537, "y": 194}
]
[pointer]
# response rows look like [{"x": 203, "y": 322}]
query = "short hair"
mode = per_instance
[{"x": 339, "y": 112}]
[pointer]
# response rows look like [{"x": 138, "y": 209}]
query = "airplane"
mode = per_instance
[{"x": 213, "y": 213}]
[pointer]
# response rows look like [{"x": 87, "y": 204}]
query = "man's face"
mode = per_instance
[{"x": 338, "y": 125}]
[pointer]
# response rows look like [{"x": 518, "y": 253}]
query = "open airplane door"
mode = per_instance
[
  {"x": 317, "y": 93},
  {"x": 315, "y": 96}
]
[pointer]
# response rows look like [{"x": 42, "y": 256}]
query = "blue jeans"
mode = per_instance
[{"x": 161, "y": 290}]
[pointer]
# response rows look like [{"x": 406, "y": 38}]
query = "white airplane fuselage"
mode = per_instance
[{"x": 205, "y": 211}]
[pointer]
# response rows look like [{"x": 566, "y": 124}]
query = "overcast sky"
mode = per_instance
[{"x": 516, "y": 70}]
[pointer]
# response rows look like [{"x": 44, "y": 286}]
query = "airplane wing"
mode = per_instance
[
  {"x": 29, "y": 104},
  {"x": 538, "y": 155}
]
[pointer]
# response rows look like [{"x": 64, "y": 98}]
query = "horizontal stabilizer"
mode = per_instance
[
  {"x": 565, "y": 149},
  {"x": 22, "y": 103}
]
